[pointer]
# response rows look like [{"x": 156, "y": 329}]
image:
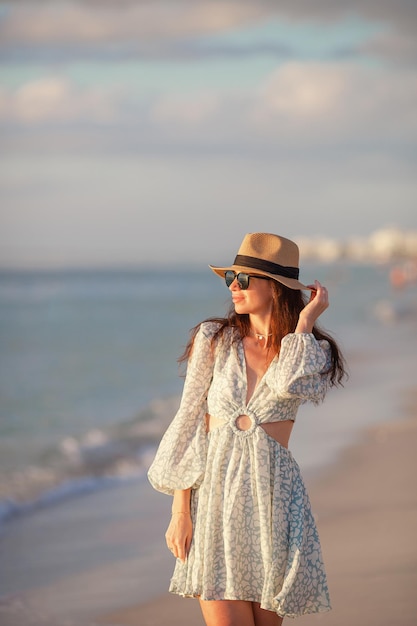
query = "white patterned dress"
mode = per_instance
[{"x": 254, "y": 535}]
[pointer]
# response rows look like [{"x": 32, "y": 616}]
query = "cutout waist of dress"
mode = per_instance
[{"x": 244, "y": 424}]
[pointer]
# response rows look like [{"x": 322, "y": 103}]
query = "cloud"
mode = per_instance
[
  {"x": 34, "y": 32},
  {"x": 299, "y": 90},
  {"x": 298, "y": 106},
  {"x": 171, "y": 29},
  {"x": 78, "y": 22},
  {"x": 397, "y": 20},
  {"x": 334, "y": 104},
  {"x": 401, "y": 15},
  {"x": 56, "y": 99}
]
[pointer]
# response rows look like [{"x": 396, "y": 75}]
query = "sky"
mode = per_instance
[{"x": 160, "y": 132}]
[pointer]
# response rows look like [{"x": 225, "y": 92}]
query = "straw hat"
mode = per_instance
[{"x": 267, "y": 255}]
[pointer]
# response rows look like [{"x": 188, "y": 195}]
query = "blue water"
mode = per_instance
[
  {"x": 88, "y": 370},
  {"x": 87, "y": 349}
]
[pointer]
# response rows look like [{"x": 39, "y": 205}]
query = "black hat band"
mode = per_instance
[{"x": 266, "y": 266}]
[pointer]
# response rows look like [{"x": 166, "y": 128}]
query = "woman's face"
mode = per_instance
[{"x": 255, "y": 300}]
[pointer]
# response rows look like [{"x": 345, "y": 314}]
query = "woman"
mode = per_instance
[{"x": 242, "y": 527}]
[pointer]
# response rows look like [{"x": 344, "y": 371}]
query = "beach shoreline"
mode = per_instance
[
  {"x": 101, "y": 558},
  {"x": 366, "y": 508}
]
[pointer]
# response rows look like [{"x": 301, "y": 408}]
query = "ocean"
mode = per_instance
[{"x": 89, "y": 378}]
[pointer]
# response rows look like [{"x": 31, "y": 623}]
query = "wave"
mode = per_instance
[{"x": 99, "y": 459}]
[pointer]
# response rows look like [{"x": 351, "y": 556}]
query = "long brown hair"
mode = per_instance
[{"x": 286, "y": 308}]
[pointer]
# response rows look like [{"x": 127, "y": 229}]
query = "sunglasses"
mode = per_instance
[{"x": 242, "y": 278}]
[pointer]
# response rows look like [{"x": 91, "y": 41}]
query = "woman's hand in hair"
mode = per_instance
[{"x": 318, "y": 303}]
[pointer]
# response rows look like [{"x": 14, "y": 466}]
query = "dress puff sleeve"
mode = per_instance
[
  {"x": 303, "y": 368},
  {"x": 181, "y": 456}
]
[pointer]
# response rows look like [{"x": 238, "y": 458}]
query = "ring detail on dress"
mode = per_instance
[{"x": 237, "y": 417}]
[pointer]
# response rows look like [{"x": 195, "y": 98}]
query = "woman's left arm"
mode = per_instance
[
  {"x": 319, "y": 302},
  {"x": 302, "y": 370}
]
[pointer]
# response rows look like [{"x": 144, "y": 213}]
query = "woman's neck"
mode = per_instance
[{"x": 260, "y": 325}]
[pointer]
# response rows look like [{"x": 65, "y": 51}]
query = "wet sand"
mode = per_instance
[{"x": 366, "y": 506}]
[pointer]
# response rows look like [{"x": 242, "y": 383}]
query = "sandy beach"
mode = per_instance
[{"x": 366, "y": 507}]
